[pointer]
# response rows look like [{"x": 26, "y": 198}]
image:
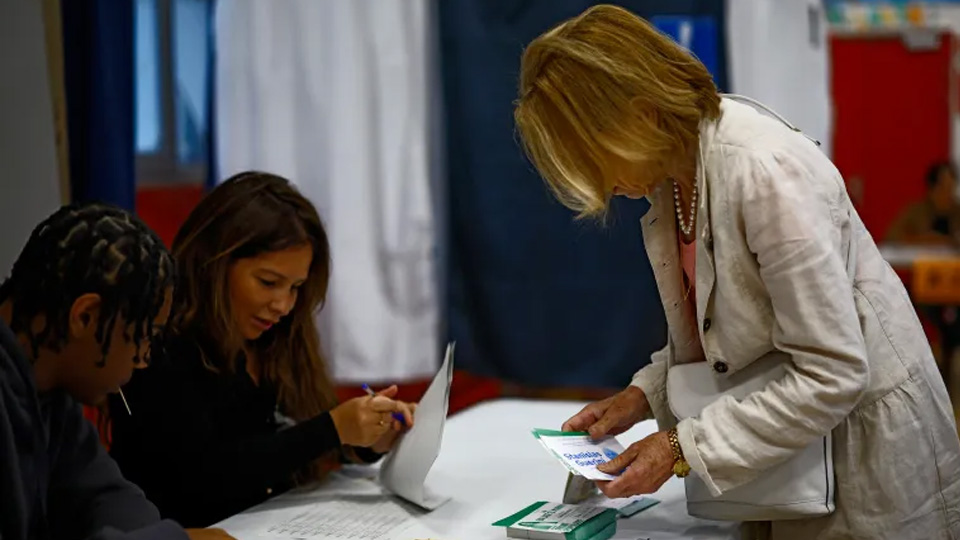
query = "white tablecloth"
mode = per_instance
[
  {"x": 492, "y": 466},
  {"x": 902, "y": 256}
]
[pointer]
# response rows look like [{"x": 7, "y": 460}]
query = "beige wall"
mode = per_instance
[{"x": 29, "y": 177}]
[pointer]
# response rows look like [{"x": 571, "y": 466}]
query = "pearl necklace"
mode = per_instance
[{"x": 685, "y": 228}]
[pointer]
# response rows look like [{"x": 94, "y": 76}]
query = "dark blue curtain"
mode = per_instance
[
  {"x": 213, "y": 172},
  {"x": 535, "y": 297},
  {"x": 98, "y": 52}
]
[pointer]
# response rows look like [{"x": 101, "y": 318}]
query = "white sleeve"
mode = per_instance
[
  {"x": 790, "y": 224},
  {"x": 652, "y": 379}
]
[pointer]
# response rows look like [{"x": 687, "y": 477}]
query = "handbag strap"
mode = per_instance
[{"x": 756, "y": 104}]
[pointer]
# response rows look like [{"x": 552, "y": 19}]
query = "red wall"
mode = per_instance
[
  {"x": 892, "y": 120},
  {"x": 165, "y": 208}
]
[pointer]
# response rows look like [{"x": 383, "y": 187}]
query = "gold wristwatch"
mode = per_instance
[{"x": 680, "y": 466}]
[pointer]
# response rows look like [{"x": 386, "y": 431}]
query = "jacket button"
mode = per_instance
[
  {"x": 720, "y": 367},
  {"x": 706, "y": 325},
  {"x": 270, "y": 490}
]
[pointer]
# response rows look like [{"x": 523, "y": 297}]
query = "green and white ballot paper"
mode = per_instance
[
  {"x": 578, "y": 452},
  {"x": 552, "y": 521},
  {"x": 584, "y": 514}
]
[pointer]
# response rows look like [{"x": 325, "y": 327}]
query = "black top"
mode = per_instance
[
  {"x": 56, "y": 480},
  {"x": 204, "y": 445}
]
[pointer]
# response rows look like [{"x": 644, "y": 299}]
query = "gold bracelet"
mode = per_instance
[{"x": 680, "y": 466}]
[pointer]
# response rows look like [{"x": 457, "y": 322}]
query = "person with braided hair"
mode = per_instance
[
  {"x": 238, "y": 407},
  {"x": 90, "y": 290}
]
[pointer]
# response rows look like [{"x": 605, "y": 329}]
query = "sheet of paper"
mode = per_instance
[
  {"x": 405, "y": 468},
  {"x": 578, "y": 489},
  {"x": 356, "y": 519},
  {"x": 349, "y": 481},
  {"x": 579, "y": 453},
  {"x": 353, "y": 483}
]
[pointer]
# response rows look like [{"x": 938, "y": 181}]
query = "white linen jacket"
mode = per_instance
[{"x": 774, "y": 226}]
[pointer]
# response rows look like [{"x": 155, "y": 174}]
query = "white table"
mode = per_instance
[
  {"x": 499, "y": 432},
  {"x": 902, "y": 256}
]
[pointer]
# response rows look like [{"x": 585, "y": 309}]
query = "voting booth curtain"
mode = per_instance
[
  {"x": 336, "y": 96},
  {"x": 98, "y": 76}
]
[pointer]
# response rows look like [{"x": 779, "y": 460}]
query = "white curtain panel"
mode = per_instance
[
  {"x": 338, "y": 96},
  {"x": 778, "y": 53}
]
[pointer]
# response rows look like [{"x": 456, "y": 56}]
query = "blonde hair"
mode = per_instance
[{"x": 603, "y": 84}]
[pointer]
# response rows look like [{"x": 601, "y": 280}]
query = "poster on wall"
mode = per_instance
[
  {"x": 696, "y": 34},
  {"x": 871, "y": 15}
]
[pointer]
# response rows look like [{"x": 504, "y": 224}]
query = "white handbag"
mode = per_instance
[{"x": 800, "y": 488}]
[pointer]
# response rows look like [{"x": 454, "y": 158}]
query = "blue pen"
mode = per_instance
[{"x": 396, "y": 416}]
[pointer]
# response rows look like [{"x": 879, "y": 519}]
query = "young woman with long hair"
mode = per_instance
[{"x": 238, "y": 406}]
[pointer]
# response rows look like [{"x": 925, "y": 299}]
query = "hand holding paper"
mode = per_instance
[
  {"x": 405, "y": 468},
  {"x": 646, "y": 465}
]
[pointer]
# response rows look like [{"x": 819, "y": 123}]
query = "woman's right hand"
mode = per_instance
[
  {"x": 611, "y": 416},
  {"x": 364, "y": 420}
]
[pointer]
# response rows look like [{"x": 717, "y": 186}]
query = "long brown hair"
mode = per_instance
[{"x": 250, "y": 214}]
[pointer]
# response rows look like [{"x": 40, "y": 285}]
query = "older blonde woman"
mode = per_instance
[{"x": 746, "y": 237}]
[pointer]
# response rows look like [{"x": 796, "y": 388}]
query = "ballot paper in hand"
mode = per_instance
[
  {"x": 578, "y": 452},
  {"x": 405, "y": 468}
]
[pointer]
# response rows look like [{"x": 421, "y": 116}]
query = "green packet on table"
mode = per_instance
[{"x": 557, "y": 521}]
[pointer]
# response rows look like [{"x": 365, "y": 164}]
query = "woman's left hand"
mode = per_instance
[
  {"x": 646, "y": 465},
  {"x": 388, "y": 439}
]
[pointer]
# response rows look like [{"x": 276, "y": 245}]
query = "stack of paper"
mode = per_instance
[
  {"x": 557, "y": 521},
  {"x": 405, "y": 468}
]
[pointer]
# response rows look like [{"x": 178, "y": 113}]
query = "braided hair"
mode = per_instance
[{"x": 88, "y": 248}]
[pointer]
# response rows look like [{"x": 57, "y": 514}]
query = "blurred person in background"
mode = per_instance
[
  {"x": 746, "y": 236},
  {"x": 238, "y": 406},
  {"x": 90, "y": 288},
  {"x": 936, "y": 219}
]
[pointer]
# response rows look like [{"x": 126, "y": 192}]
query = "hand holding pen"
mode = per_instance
[
  {"x": 363, "y": 421},
  {"x": 398, "y": 416}
]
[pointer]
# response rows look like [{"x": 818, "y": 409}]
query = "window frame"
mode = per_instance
[{"x": 163, "y": 166}]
